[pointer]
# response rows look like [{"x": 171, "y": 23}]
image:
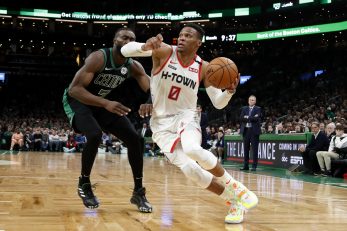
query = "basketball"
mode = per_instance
[{"x": 222, "y": 72}]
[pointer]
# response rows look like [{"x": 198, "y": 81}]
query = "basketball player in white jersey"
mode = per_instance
[{"x": 176, "y": 74}]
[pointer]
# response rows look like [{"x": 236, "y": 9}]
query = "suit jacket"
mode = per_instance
[
  {"x": 321, "y": 143},
  {"x": 203, "y": 125},
  {"x": 254, "y": 119},
  {"x": 148, "y": 132}
]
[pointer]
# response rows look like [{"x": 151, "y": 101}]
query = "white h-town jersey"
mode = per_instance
[{"x": 174, "y": 87}]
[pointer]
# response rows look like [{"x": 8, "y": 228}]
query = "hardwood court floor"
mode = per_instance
[{"x": 38, "y": 192}]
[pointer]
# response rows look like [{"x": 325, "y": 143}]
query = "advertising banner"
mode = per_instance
[{"x": 272, "y": 151}]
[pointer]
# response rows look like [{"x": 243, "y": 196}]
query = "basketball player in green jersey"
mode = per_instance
[{"x": 90, "y": 112}]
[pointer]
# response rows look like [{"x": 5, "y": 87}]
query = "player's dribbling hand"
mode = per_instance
[
  {"x": 232, "y": 88},
  {"x": 153, "y": 43},
  {"x": 145, "y": 110},
  {"x": 117, "y": 108}
]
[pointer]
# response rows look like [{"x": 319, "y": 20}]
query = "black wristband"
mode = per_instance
[{"x": 149, "y": 100}]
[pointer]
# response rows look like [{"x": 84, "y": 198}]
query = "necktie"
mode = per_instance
[{"x": 248, "y": 125}]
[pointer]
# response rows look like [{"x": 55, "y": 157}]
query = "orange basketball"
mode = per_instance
[{"x": 221, "y": 72}]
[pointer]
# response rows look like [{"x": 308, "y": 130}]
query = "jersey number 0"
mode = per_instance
[{"x": 174, "y": 93}]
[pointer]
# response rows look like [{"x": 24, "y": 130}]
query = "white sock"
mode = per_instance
[
  {"x": 225, "y": 195},
  {"x": 226, "y": 178}
]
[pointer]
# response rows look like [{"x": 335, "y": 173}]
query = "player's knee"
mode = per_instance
[
  {"x": 94, "y": 137},
  {"x": 205, "y": 158},
  {"x": 132, "y": 139},
  {"x": 193, "y": 151},
  {"x": 195, "y": 173}
]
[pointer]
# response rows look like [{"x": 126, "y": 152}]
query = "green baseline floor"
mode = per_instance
[{"x": 284, "y": 173}]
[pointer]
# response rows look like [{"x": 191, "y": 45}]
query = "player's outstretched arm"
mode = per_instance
[{"x": 137, "y": 49}]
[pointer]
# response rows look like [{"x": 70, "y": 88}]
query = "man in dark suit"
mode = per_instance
[
  {"x": 319, "y": 142},
  {"x": 250, "y": 130},
  {"x": 203, "y": 125},
  {"x": 143, "y": 132}
]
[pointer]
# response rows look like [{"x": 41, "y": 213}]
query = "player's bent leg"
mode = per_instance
[
  {"x": 189, "y": 167},
  {"x": 195, "y": 173},
  {"x": 124, "y": 130},
  {"x": 236, "y": 190},
  {"x": 205, "y": 179},
  {"x": 191, "y": 147}
]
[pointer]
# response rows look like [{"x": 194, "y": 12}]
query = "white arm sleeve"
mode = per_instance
[
  {"x": 134, "y": 49},
  {"x": 218, "y": 97}
]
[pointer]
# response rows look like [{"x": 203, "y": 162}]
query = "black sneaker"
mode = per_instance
[
  {"x": 327, "y": 173},
  {"x": 140, "y": 200},
  {"x": 85, "y": 192}
]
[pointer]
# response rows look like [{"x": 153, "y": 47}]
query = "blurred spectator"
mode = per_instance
[
  {"x": 337, "y": 149},
  {"x": 17, "y": 139},
  {"x": 54, "y": 141},
  {"x": 81, "y": 141},
  {"x": 28, "y": 140},
  {"x": 330, "y": 130},
  {"x": 37, "y": 139},
  {"x": 279, "y": 129},
  {"x": 330, "y": 114},
  {"x": 45, "y": 140},
  {"x": 203, "y": 125},
  {"x": 270, "y": 129},
  {"x": 322, "y": 127},
  {"x": 63, "y": 138},
  {"x": 319, "y": 142},
  {"x": 220, "y": 144},
  {"x": 298, "y": 129},
  {"x": 106, "y": 140},
  {"x": 71, "y": 145},
  {"x": 143, "y": 132}
]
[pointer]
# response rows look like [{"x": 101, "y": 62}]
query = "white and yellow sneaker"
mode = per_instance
[
  {"x": 239, "y": 192},
  {"x": 235, "y": 214}
]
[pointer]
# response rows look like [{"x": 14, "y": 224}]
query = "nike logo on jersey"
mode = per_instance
[
  {"x": 179, "y": 79},
  {"x": 108, "y": 69},
  {"x": 172, "y": 62},
  {"x": 172, "y": 67}
]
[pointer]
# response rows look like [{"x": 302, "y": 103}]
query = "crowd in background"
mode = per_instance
[
  {"x": 283, "y": 82},
  {"x": 297, "y": 80}
]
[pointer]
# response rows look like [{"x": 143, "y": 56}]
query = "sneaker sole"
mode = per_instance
[
  {"x": 87, "y": 206},
  {"x": 134, "y": 202},
  {"x": 233, "y": 222}
]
